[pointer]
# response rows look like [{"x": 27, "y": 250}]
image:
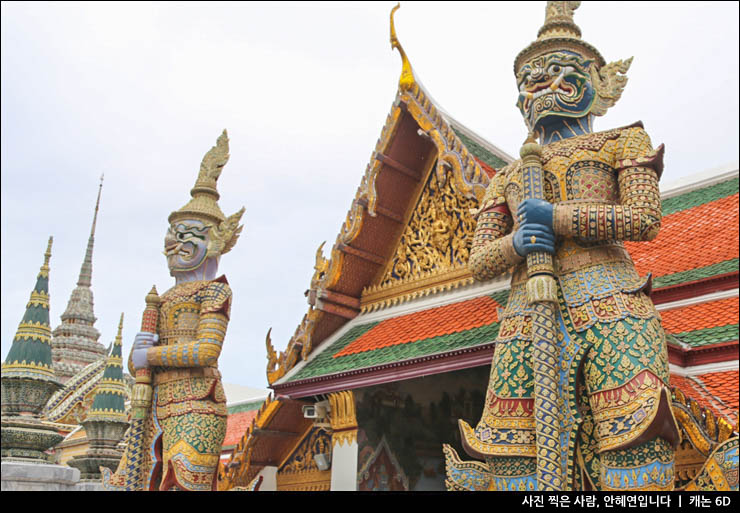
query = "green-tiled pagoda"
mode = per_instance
[
  {"x": 106, "y": 420},
  {"x": 28, "y": 378}
]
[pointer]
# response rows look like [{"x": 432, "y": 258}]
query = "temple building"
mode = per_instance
[
  {"x": 75, "y": 341},
  {"x": 397, "y": 342}
]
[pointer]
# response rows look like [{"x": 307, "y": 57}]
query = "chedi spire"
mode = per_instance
[
  {"x": 75, "y": 341},
  {"x": 30, "y": 354}
]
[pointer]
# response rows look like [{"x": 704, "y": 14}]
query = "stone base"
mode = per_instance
[
  {"x": 27, "y": 437},
  {"x": 18, "y": 476},
  {"x": 90, "y": 486}
]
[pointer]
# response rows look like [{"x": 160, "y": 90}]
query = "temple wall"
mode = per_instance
[{"x": 415, "y": 417}]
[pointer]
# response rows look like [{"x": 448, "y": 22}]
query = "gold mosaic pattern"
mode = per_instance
[{"x": 437, "y": 235}]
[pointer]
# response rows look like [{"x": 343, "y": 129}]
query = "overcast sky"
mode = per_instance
[{"x": 140, "y": 92}]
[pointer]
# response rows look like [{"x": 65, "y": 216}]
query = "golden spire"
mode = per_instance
[
  {"x": 407, "y": 75},
  {"x": 120, "y": 330},
  {"x": 47, "y": 257}
]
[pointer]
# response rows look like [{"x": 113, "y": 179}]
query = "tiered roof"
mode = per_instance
[
  {"x": 709, "y": 216},
  {"x": 75, "y": 342},
  {"x": 704, "y": 324},
  {"x": 692, "y": 222}
]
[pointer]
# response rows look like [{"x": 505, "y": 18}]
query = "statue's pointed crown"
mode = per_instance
[
  {"x": 558, "y": 33},
  {"x": 204, "y": 202}
]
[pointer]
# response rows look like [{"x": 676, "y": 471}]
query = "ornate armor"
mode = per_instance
[
  {"x": 613, "y": 360},
  {"x": 179, "y": 407}
]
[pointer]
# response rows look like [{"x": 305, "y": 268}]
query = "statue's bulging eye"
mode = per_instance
[{"x": 555, "y": 68}]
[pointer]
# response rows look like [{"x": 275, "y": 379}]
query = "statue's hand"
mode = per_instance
[
  {"x": 143, "y": 341},
  {"x": 535, "y": 211},
  {"x": 544, "y": 239}
]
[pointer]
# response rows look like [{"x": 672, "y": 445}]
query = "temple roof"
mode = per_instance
[
  {"x": 418, "y": 145},
  {"x": 701, "y": 221},
  {"x": 239, "y": 419},
  {"x": 717, "y": 391},
  {"x": 711, "y": 322},
  {"x": 692, "y": 221}
]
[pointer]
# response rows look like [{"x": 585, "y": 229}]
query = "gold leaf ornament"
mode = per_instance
[{"x": 609, "y": 82}]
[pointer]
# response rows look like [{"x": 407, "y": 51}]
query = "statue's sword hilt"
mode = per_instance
[{"x": 542, "y": 295}]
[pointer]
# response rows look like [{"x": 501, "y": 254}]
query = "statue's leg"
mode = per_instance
[
  {"x": 505, "y": 436},
  {"x": 643, "y": 467},
  {"x": 191, "y": 449},
  {"x": 626, "y": 375},
  {"x": 512, "y": 473}
]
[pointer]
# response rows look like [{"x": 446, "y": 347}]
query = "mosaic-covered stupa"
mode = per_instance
[
  {"x": 107, "y": 419},
  {"x": 75, "y": 341},
  {"x": 28, "y": 379}
]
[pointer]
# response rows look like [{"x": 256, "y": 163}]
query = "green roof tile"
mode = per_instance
[
  {"x": 501, "y": 297},
  {"x": 250, "y": 406},
  {"x": 728, "y": 266},
  {"x": 325, "y": 364},
  {"x": 700, "y": 196},
  {"x": 709, "y": 336},
  {"x": 480, "y": 152}
]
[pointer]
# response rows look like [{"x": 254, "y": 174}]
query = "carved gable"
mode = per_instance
[{"x": 432, "y": 252}]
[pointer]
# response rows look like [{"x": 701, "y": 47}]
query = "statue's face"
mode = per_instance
[
  {"x": 186, "y": 245},
  {"x": 554, "y": 85}
]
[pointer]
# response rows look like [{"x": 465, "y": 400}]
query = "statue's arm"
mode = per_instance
[
  {"x": 492, "y": 252},
  {"x": 637, "y": 216},
  {"x": 206, "y": 348}
]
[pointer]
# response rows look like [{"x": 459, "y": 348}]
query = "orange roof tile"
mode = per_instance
[
  {"x": 717, "y": 391},
  {"x": 236, "y": 426},
  {"x": 689, "y": 239},
  {"x": 488, "y": 169},
  {"x": 723, "y": 312},
  {"x": 434, "y": 322}
]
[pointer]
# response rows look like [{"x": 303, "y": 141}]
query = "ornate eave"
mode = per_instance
[
  {"x": 273, "y": 435},
  {"x": 418, "y": 141}
]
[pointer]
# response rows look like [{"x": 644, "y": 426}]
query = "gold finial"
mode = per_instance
[
  {"x": 47, "y": 255},
  {"x": 530, "y": 146},
  {"x": 151, "y": 299},
  {"x": 609, "y": 82},
  {"x": 119, "y": 335},
  {"x": 407, "y": 75}
]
